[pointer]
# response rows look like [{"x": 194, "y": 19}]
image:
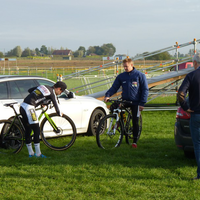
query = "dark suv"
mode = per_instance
[{"x": 182, "y": 135}]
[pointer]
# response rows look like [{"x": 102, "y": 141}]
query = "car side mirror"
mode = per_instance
[{"x": 69, "y": 94}]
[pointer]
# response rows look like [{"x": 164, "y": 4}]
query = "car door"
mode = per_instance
[{"x": 72, "y": 108}]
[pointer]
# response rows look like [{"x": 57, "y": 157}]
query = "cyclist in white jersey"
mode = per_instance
[{"x": 38, "y": 96}]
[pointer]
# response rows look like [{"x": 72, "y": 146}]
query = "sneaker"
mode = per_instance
[
  {"x": 30, "y": 156},
  {"x": 134, "y": 145},
  {"x": 40, "y": 156}
]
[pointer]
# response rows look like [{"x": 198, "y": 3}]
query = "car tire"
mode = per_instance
[{"x": 95, "y": 118}]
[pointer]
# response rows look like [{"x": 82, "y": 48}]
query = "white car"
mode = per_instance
[{"x": 84, "y": 111}]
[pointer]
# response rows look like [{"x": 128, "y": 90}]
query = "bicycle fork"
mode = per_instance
[
  {"x": 55, "y": 128},
  {"x": 112, "y": 128}
]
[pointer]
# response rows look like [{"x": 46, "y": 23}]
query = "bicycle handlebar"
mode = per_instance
[{"x": 120, "y": 101}]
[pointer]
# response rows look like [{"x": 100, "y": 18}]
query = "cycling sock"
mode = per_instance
[
  {"x": 37, "y": 149},
  {"x": 30, "y": 149}
]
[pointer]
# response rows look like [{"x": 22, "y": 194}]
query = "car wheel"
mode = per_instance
[{"x": 96, "y": 116}]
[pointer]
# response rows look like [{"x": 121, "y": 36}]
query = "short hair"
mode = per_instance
[
  {"x": 196, "y": 58},
  {"x": 127, "y": 60},
  {"x": 60, "y": 84}
]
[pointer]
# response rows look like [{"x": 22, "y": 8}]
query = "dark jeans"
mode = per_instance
[
  {"x": 135, "y": 120},
  {"x": 195, "y": 133}
]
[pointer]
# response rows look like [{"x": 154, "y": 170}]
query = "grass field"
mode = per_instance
[{"x": 155, "y": 170}]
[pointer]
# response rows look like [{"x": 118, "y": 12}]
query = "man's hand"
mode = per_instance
[
  {"x": 190, "y": 111},
  {"x": 106, "y": 99},
  {"x": 141, "y": 108}
]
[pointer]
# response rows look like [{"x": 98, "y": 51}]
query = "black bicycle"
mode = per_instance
[
  {"x": 57, "y": 132},
  {"x": 113, "y": 127}
]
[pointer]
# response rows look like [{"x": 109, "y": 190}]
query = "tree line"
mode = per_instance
[{"x": 104, "y": 50}]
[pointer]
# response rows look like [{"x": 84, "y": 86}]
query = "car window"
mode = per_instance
[
  {"x": 14, "y": 91},
  {"x": 4, "y": 90},
  {"x": 44, "y": 82},
  {"x": 19, "y": 89}
]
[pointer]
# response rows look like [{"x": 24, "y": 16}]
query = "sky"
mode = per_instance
[{"x": 132, "y": 26}]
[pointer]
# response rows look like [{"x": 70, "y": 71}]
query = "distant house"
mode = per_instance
[
  {"x": 92, "y": 54},
  {"x": 62, "y": 53}
]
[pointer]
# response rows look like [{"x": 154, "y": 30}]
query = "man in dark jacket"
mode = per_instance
[
  {"x": 38, "y": 95},
  {"x": 191, "y": 84},
  {"x": 134, "y": 88}
]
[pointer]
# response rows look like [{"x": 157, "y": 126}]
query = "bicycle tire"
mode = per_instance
[
  {"x": 12, "y": 141},
  {"x": 109, "y": 132},
  {"x": 62, "y": 140},
  {"x": 129, "y": 130}
]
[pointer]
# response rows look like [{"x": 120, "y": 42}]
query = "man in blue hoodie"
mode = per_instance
[
  {"x": 134, "y": 88},
  {"x": 191, "y": 84}
]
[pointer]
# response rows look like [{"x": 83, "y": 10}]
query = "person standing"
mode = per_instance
[
  {"x": 38, "y": 96},
  {"x": 134, "y": 88},
  {"x": 191, "y": 85}
]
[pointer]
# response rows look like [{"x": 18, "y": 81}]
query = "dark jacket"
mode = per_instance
[
  {"x": 39, "y": 94},
  {"x": 190, "y": 84},
  {"x": 134, "y": 87}
]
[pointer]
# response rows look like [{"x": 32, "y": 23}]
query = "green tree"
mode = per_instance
[
  {"x": 98, "y": 50},
  {"x": 50, "y": 50},
  {"x": 90, "y": 50},
  {"x": 109, "y": 49},
  {"x": 10, "y": 53},
  {"x": 78, "y": 53},
  {"x": 105, "y": 49},
  {"x": 1, "y": 54},
  {"x": 26, "y": 52},
  {"x": 160, "y": 56},
  {"x": 17, "y": 51},
  {"x": 43, "y": 50},
  {"x": 81, "y": 48},
  {"x": 37, "y": 51}
]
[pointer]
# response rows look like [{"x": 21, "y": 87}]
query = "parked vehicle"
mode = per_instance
[
  {"x": 181, "y": 66},
  {"x": 86, "y": 112},
  {"x": 182, "y": 134}
]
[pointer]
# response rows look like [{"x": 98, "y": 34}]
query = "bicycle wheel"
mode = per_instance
[
  {"x": 61, "y": 139},
  {"x": 109, "y": 132},
  {"x": 129, "y": 129},
  {"x": 11, "y": 137}
]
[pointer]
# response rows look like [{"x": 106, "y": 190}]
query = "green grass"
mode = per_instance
[{"x": 155, "y": 170}]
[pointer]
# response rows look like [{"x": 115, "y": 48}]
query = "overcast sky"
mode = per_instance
[{"x": 132, "y": 26}]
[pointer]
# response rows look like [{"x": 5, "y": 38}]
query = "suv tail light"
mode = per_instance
[{"x": 181, "y": 114}]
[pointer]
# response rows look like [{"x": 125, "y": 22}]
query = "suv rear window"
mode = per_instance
[
  {"x": 4, "y": 90},
  {"x": 19, "y": 89}
]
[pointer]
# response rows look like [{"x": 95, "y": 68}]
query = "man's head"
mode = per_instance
[
  {"x": 59, "y": 87},
  {"x": 128, "y": 64},
  {"x": 196, "y": 60}
]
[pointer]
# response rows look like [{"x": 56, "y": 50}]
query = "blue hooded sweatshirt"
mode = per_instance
[{"x": 134, "y": 87}]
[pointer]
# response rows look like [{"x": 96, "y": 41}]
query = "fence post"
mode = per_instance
[
  {"x": 117, "y": 71},
  {"x": 177, "y": 47},
  {"x": 195, "y": 46}
]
